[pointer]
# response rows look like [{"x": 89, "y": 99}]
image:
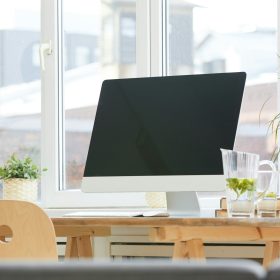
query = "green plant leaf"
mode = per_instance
[
  {"x": 16, "y": 168},
  {"x": 241, "y": 185}
]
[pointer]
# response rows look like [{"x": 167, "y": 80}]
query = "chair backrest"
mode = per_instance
[
  {"x": 162, "y": 270},
  {"x": 32, "y": 232}
]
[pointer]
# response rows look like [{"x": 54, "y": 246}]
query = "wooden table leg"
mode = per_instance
[
  {"x": 271, "y": 252},
  {"x": 180, "y": 250},
  {"x": 85, "y": 249},
  {"x": 196, "y": 249},
  {"x": 71, "y": 247},
  {"x": 79, "y": 247},
  {"x": 192, "y": 249}
]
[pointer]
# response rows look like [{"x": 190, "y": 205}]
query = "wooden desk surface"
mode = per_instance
[{"x": 164, "y": 221}]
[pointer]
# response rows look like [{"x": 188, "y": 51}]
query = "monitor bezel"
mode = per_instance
[
  {"x": 158, "y": 183},
  {"x": 173, "y": 183}
]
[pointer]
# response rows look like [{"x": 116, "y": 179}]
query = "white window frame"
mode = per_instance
[
  {"x": 152, "y": 60},
  {"x": 149, "y": 63}
]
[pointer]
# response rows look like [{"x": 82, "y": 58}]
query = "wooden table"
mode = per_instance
[{"x": 188, "y": 234}]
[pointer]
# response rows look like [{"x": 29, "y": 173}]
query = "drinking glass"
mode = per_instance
[
  {"x": 241, "y": 173},
  {"x": 266, "y": 194}
]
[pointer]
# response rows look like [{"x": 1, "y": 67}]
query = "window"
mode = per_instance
[
  {"x": 20, "y": 94},
  {"x": 93, "y": 41},
  {"x": 94, "y": 31},
  {"x": 97, "y": 40},
  {"x": 211, "y": 36}
]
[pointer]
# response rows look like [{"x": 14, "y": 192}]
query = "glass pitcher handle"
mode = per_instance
[
  {"x": 269, "y": 163},
  {"x": 273, "y": 168}
]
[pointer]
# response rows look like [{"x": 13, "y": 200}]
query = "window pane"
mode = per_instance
[
  {"x": 99, "y": 43},
  {"x": 20, "y": 93},
  {"x": 208, "y": 36}
]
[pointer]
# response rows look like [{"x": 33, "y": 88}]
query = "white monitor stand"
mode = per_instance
[{"x": 182, "y": 204}]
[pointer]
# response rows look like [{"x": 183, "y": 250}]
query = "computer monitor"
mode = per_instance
[{"x": 163, "y": 134}]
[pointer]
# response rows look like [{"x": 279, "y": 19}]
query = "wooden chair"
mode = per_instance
[{"x": 26, "y": 232}]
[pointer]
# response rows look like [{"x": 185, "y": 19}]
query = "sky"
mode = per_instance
[
  {"x": 218, "y": 15},
  {"x": 234, "y": 15}
]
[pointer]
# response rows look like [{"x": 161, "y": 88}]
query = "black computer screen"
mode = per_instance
[{"x": 171, "y": 125}]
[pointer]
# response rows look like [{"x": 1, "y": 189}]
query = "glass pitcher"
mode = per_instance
[{"x": 241, "y": 173}]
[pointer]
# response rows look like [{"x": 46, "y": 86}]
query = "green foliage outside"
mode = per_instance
[
  {"x": 241, "y": 185},
  {"x": 16, "y": 168}
]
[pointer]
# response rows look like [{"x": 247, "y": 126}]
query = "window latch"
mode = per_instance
[{"x": 45, "y": 49}]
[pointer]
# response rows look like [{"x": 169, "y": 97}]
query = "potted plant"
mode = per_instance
[{"x": 20, "y": 179}]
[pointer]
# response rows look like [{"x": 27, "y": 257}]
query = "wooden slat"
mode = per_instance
[
  {"x": 270, "y": 234},
  {"x": 72, "y": 230},
  {"x": 207, "y": 233},
  {"x": 91, "y": 223}
]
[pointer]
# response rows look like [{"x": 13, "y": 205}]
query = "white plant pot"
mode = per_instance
[
  {"x": 156, "y": 199},
  {"x": 20, "y": 189}
]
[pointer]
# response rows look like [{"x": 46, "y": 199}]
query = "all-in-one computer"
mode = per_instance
[{"x": 164, "y": 134}]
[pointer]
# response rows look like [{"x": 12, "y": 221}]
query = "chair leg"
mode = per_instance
[{"x": 271, "y": 252}]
